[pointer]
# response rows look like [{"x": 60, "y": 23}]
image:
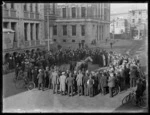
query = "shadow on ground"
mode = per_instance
[{"x": 128, "y": 107}]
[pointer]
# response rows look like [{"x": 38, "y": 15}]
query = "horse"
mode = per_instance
[{"x": 83, "y": 64}]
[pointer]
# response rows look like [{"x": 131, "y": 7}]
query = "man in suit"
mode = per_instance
[
  {"x": 75, "y": 82},
  {"x": 85, "y": 79},
  {"x": 111, "y": 84},
  {"x": 55, "y": 78},
  {"x": 40, "y": 78},
  {"x": 79, "y": 80},
  {"x": 90, "y": 83},
  {"x": 50, "y": 78},
  {"x": 103, "y": 82},
  {"x": 99, "y": 75},
  {"x": 133, "y": 77},
  {"x": 70, "y": 82},
  {"x": 46, "y": 79}
]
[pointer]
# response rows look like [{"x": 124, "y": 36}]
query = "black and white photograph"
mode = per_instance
[{"x": 74, "y": 57}]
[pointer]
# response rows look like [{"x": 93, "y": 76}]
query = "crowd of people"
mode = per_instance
[{"x": 43, "y": 68}]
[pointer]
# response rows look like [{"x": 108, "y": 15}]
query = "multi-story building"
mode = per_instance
[
  {"x": 119, "y": 26},
  {"x": 81, "y": 22},
  {"x": 27, "y": 21},
  {"x": 138, "y": 21},
  {"x": 134, "y": 22}
]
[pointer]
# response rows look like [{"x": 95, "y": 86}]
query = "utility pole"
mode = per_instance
[
  {"x": 113, "y": 29},
  {"x": 48, "y": 28}
]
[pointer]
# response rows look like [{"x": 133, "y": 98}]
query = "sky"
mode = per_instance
[{"x": 124, "y": 7}]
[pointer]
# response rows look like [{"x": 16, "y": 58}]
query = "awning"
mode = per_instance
[{"x": 8, "y": 30}]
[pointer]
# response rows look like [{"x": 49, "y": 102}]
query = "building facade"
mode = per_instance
[
  {"x": 27, "y": 22},
  {"x": 81, "y": 22},
  {"x": 138, "y": 20},
  {"x": 133, "y": 23},
  {"x": 119, "y": 26}
]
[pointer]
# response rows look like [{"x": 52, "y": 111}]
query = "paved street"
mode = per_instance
[{"x": 39, "y": 101}]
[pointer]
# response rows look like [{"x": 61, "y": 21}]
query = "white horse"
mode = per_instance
[{"x": 83, "y": 64}]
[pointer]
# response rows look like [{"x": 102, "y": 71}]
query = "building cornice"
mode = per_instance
[{"x": 80, "y": 20}]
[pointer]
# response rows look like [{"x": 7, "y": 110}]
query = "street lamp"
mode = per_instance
[
  {"x": 50, "y": 24},
  {"x": 48, "y": 14}
]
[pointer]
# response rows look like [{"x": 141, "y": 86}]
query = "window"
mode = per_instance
[
  {"x": 73, "y": 41},
  {"x": 133, "y": 13},
  {"x": 83, "y": 12},
  {"x": 133, "y": 20},
  {"x": 64, "y": 30},
  {"x": 31, "y": 32},
  {"x": 83, "y": 30},
  {"x": 5, "y": 6},
  {"x": 5, "y": 24},
  {"x": 36, "y": 8},
  {"x": 64, "y": 40},
  {"x": 54, "y": 30},
  {"x": 25, "y": 31},
  {"x": 64, "y": 12},
  {"x": 139, "y": 12},
  {"x": 121, "y": 31},
  {"x": 37, "y": 31},
  {"x": 25, "y": 7},
  {"x": 139, "y": 20},
  {"x": 31, "y": 8},
  {"x": 12, "y": 5},
  {"x": 53, "y": 8},
  {"x": 74, "y": 30},
  {"x": 13, "y": 27},
  {"x": 73, "y": 12},
  {"x": 54, "y": 40}
]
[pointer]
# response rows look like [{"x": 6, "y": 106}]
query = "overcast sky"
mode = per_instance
[{"x": 124, "y": 7}]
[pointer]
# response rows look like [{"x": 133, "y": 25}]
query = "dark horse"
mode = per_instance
[{"x": 83, "y": 64}]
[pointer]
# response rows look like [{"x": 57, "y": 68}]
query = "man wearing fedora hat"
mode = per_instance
[{"x": 70, "y": 82}]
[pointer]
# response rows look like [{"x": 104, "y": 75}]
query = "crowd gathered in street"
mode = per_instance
[{"x": 117, "y": 72}]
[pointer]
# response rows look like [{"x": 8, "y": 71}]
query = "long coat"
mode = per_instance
[
  {"x": 103, "y": 81},
  {"x": 79, "y": 79},
  {"x": 70, "y": 81},
  {"x": 62, "y": 82},
  {"x": 54, "y": 78},
  {"x": 111, "y": 81},
  {"x": 40, "y": 78}
]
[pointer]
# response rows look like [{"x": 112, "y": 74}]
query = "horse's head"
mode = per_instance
[{"x": 89, "y": 59}]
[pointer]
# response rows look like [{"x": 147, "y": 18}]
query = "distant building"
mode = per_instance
[
  {"x": 132, "y": 23},
  {"x": 81, "y": 22},
  {"x": 27, "y": 22},
  {"x": 138, "y": 20},
  {"x": 119, "y": 27}
]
